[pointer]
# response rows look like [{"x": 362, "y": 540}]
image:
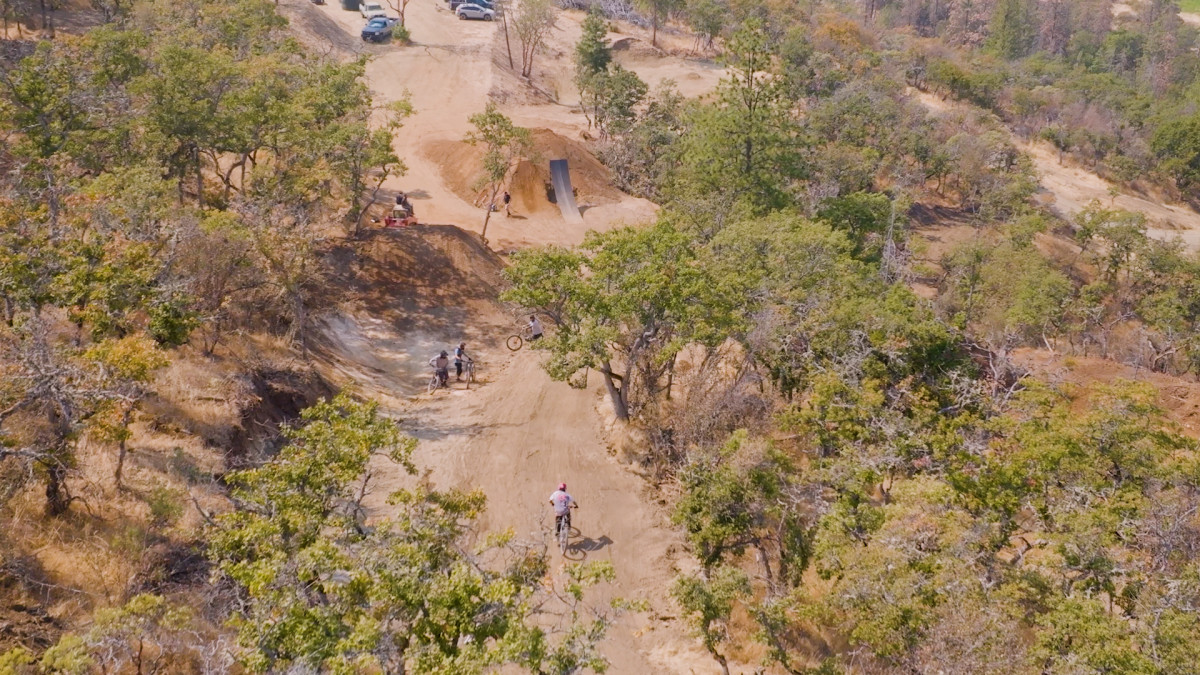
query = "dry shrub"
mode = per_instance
[{"x": 714, "y": 393}]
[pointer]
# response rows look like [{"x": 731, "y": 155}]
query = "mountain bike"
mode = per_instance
[
  {"x": 436, "y": 381},
  {"x": 564, "y": 532},
  {"x": 517, "y": 340},
  {"x": 469, "y": 372}
]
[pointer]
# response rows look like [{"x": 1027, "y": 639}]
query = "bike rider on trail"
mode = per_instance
[
  {"x": 460, "y": 357},
  {"x": 441, "y": 364},
  {"x": 562, "y": 503}
]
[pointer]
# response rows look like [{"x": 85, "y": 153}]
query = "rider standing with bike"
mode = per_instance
[
  {"x": 441, "y": 365},
  {"x": 460, "y": 358}
]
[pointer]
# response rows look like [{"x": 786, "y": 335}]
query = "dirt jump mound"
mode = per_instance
[{"x": 461, "y": 167}]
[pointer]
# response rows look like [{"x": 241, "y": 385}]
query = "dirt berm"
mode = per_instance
[{"x": 414, "y": 292}]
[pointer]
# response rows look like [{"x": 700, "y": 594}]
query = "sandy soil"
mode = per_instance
[
  {"x": 415, "y": 291},
  {"x": 1068, "y": 189},
  {"x": 1125, "y": 9},
  {"x": 1178, "y": 397}
]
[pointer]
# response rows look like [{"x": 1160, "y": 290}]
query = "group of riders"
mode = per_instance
[
  {"x": 441, "y": 363},
  {"x": 560, "y": 499}
]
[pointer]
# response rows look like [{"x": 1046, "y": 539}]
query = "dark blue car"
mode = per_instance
[{"x": 378, "y": 29}]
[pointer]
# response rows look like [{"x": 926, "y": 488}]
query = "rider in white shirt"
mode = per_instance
[
  {"x": 562, "y": 503},
  {"x": 535, "y": 327}
]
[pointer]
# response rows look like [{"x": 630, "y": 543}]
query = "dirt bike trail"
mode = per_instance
[{"x": 516, "y": 437}]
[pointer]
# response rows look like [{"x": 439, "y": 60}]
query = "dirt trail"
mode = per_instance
[
  {"x": 1069, "y": 189},
  {"x": 516, "y": 438},
  {"x": 415, "y": 291},
  {"x": 514, "y": 435}
]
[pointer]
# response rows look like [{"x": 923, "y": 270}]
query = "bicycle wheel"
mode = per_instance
[
  {"x": 515, "y": 342},
  {"x": 564, "y": 538},
  {"x": 433, "y": 383}
]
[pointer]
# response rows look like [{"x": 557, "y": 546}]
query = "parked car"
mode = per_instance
[
  {"x": 370, "y": 9},
  {"x": 378, "y": 29},
  {"x": 454, "y": 4},
  {"x": 470, "y": 10}
]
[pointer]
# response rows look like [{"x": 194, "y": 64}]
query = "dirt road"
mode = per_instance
[{"x": 1069, "y": 189}]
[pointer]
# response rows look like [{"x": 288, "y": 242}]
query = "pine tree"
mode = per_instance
[
  {"x": 592, "y": 54},
  {"x": 1012, "y": 29}
]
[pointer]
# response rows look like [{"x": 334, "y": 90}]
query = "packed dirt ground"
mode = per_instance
[{"x": 451, "y": 70}]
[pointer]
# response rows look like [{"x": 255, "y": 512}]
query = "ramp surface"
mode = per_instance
[{"x": 560, "y": 178}]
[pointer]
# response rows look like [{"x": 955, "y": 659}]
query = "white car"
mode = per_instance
[
  {"x": 472, "y": 11},
  {"x": 370, "y": 10}
]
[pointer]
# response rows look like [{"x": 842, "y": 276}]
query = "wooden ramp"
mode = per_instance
[{"x": 560, "y": 178}]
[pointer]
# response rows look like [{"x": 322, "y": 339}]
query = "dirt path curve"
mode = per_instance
[
  {"x": 1071, "y": 188},
  {"x": 516, "y": 438},
  {"x": 514, "y": 435}
]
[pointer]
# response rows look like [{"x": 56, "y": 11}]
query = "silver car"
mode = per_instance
[{"x": 471, "y": 11}]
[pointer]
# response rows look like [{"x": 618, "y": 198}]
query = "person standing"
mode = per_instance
[
  {"x": 460, "y": 358},
  {"x": 507, "y": 201}
]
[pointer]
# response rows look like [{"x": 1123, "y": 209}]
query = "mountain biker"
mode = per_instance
[
  {"x": 562, "y": 503},
  {"x": 535, "y": 328},
  {"x": 460, "y": 356},
  {"x": 441, "y": 364}
]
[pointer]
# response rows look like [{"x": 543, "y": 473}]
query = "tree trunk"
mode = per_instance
[
  {"x": 507, "y": 46},
  {"x": 766, "y": 563},
  {"x": 299, "y": 316},
  {"x": 654, "y": 29},
  {"x": 671, "y": 375},
  {"x": 721, "y": 660},
  {"x": 122, "y": 448},
  {"x": 620, "y": 406},
  {"x": 199, "y": 178},
  {"x": 57, "y": 500},
  {"x": 488, "y": 216}
]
